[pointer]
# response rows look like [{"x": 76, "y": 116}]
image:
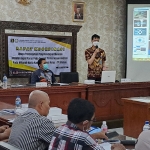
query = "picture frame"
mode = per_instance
[{"x": 78, "y": 11}]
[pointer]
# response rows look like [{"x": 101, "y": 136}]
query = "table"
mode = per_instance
[
  {"x": 4, "y": 117},
  {"x": 107, "y": 97},
  {"x": 60, "y": 96},
  {"x": 4, "y": 121},
  {"x": 136, "y": 112}
]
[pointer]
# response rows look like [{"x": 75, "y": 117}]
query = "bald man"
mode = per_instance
[{"x": 32, "y": 130}]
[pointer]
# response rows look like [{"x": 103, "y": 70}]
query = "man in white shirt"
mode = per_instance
[{"x": 143, "y": 142}]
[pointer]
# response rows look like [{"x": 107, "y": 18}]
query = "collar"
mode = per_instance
[
  {"x": 42, "y": 70},
  {"x": 72, "y": 125},
  {"x": 32, "y": 110}
]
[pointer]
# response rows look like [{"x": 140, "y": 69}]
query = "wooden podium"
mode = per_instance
[{"x": 136, "y": 112}]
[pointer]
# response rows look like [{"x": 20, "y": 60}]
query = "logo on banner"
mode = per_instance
[
  {"x": 12, "y": 40},
  {"x": 16, "y": 40}
]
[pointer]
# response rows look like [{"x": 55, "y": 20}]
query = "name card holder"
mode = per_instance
[
  {"x": 41, "y": 84},
  {"x": 125, "y": 80}
]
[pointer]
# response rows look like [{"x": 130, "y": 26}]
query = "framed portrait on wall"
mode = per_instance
[{"x": 78, "y": 11}]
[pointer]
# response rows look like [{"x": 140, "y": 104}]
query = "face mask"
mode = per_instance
[
  {"x": 96, "y": 43},
  {"x": 45, "y": 66}
]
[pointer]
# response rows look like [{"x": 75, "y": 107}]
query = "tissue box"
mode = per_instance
[
  {"x": 63, "y": 118},
  {"x": 58, "y": 120},
  {"x": 89, "y": 81},
  {"x": 55, "y": 111}
]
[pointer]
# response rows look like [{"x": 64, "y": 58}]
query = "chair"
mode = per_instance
[
  {"x": 7, "y": 146},
  {"x": 69, "y": 77}
]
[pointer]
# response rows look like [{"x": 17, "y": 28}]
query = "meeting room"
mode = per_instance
[{"x": 74, "y": 74}]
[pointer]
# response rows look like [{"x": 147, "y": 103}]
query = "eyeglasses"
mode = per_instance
[{"x": 93, "y": 120}]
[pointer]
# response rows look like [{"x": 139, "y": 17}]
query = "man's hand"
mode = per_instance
[
  {"x": 105, "y": 68},
  {"x": 99, "y": 135},
  {"x": 96, "y": 51},
  {"x": 7, "y": 132},
  {"x": 43, "y": 80},
  {"x": 3, "y": 128},
  {"x": 117, "y": 147}
]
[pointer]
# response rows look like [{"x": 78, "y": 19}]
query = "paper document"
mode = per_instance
[
  {"x": 106, "y": 146},
  {"x": 8, "y": 111}
]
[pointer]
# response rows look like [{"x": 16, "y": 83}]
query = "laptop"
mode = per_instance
[{"x": 108, "y": 76}]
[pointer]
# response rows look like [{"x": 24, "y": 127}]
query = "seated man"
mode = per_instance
[
  {"x": 4, "y": 132},
  {"x": 74, "y": 134},
  {"x": 143, "y": 142},
  {"x": 43, "y": 74},
  {"x": 32, "y": 130}
]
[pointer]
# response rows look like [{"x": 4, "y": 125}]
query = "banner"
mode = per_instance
[{"x": 24, "y": 52}]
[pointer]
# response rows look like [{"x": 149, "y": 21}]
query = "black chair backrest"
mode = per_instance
[{"x": 69, "y": 77}]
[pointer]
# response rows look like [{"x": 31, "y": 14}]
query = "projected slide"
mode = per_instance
[
  {"x": 141, "y": 34},
  {"x": 138, "y": 42}
]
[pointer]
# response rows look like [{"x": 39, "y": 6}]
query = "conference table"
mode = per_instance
[
  {"x": 105, "y": 97},
  {"x": 6, "y": 116},
  {"x": 60, "y": 96}
]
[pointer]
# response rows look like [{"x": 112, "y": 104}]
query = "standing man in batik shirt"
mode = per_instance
[{"x": 95, "y": 58}]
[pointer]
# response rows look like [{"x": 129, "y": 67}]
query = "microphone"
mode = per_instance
[{"x": 96, "y": 46}]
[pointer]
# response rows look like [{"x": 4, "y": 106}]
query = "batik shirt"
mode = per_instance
[{"x": 95, "y": 69}]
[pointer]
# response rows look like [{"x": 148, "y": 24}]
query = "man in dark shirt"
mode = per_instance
[
  {"x": 78, "y": 14},
  {"x": 43, "y": 74}
]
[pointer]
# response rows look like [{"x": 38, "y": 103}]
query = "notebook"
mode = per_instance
[{"x": 108, "y": 76}]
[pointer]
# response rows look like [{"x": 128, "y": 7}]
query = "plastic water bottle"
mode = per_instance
[
  {"x": 146, "y": 126},
  {"x": 18, "y": 102},
  {"x": 4, "y": 82},
  {"x": 104, "y": 127}
]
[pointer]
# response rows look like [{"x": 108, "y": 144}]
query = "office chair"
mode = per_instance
[{"x": 69, "y": 77}]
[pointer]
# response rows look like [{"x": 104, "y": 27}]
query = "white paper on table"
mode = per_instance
[
  {"x": 106, "y": 146},
  {"x": 61, "y": 84},
  {"x": 21, "y": 111},
  {"x": 9, "y": 111}
]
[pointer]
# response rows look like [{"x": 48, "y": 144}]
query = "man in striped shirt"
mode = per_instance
[
  {"x": 32, "y": 130},
  {"x": 74, "y": 134}
]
